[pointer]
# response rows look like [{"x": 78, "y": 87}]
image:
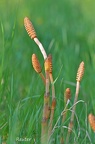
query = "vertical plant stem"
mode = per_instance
[
  {"x": 75, "y": 100},
  {"x": 53, "y": 97},
  {"x": 52, "y": 106},
  {"x": 51, "y": 117},
  {"x": 64, "y": 113},
  {"x": 73, "y": 112},
  {"x": 44, "y": 135},
  {"x": 67, "y": 96}
]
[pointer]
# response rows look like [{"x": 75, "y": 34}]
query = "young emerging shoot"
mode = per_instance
[{"x": 91, "y": 119}]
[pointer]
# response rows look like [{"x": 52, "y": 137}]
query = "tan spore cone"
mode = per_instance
[
  {"x": 36, "y": 64},
  {"x": 91, "y": 119},
  {"x": 80, "y": 72},
  {"x": 29, "y": 28}
]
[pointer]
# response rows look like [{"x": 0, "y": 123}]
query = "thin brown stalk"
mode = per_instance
[
  {"x": 78, "y": 79},
  {"x": 44, "y": 131},
  {"x": 67, "y": 97},
  {"x": 51, "y": 117},
  {"x": 53, "y": 96}
]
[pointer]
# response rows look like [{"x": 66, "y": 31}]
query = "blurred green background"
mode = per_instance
[{"x": 66, "y": 29}]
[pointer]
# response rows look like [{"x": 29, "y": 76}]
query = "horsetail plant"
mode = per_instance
[
  {"x": 53, "y": 105},
  {"x": 79, "y": 76},
  {"x": 44, "y": 135},
  {"x": 50, "y": 105},
  {"x": 46, "y": 128}
]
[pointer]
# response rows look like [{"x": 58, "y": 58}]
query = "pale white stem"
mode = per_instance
[{"x": 41, "y": 48}]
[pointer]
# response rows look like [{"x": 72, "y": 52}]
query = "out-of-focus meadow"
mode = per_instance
[{"x": 66, "y": 28}]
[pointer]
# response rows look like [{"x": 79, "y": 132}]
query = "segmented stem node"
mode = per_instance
[
  {"x": 70, "y": 127},
  {"x": 29, "y": 28},
  {"x": 53, "y": 104},
  {"x": 91, "y": 119},
  {"x": 36, "y": 64},
  {"x": 80, "y": 72},
  {"x": 67, "y": 95},
  {"x": 48, "y": 113}
]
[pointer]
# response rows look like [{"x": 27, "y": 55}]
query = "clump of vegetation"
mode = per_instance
[{"x": 49, "y": 105}]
